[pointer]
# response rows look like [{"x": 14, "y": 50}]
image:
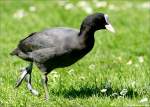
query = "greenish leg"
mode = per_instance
[{"x": 44, "y": 83}]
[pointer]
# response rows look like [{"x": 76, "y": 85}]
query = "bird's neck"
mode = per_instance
[
  {"x": 86, "y": 36},
  {"x": 84, "y": 30}
]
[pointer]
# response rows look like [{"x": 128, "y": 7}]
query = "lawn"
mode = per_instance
[{"x": 115, "y": 73}]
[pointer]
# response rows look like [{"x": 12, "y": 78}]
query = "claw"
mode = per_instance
[
  {"x": 46, "y": 97},
  {"x": 34, "y": 92}
]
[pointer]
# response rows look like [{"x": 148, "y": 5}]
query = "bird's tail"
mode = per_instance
[{"x": 14, "y": 52}]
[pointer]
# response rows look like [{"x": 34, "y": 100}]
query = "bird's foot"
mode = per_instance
[
  {"x": 35, "y": 92},
  {"x": 46, "y": 97}
]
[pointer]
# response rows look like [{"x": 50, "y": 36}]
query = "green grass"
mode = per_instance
[{"x": 107, "y": 66}]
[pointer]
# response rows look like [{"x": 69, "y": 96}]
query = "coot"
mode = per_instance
[{"x": 58, "y": 47}]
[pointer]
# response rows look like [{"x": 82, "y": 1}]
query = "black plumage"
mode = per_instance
[{"x": 58, "y": 47}]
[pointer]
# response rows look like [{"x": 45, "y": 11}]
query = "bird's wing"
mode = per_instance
[
  {"x": 37, "y": 41},
  {"x": 47, "y": 39},
  {"x": 42, "y": 55}
]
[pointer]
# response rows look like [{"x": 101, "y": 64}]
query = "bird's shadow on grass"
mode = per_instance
[{"x": 85, "y": 91}]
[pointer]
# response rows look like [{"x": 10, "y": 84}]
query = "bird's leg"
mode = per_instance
[
  {"x": 28, "y": 80},
  {"x": 44, "y": 83},
  {"x": 26, "y": 74},
  {"x": 22, "y": 76}
]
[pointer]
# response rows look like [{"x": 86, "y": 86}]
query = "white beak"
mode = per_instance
[{"x": 110, "y": 28}]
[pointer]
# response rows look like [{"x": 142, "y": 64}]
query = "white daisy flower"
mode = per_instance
[
  {"x": 92, "y": 66},
  {"x": 71, "y": 71},
  {"x": 103, "y": 90},
  {"x": 145, "y": 5},
  {"x": 69, "y": 6},
  {"x": 88, "y": 10},
  {"x": 100, "y": 4},
  {"x": 129, "y": 62},
  {"x": 141, "y": 59},
  {"x": 32, "y": 8},
  {"x": 112, "y": 7},
  {"x": 133, "y": 83},
  {"x": 62, "y": 2},
  {"x": 19, "y": 14},
  {"x": 82, "y": 4},
  {"x": 119, "y": 58},
  {"x": 123, "y": 92},
  {"x": 85, "y": 6},
  {"x": 143, "y": 100}
]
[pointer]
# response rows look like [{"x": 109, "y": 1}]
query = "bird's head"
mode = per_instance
[{"x": 98, "y": 21}]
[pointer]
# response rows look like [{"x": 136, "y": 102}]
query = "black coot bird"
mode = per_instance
[{"x": 58, "y": 47}]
